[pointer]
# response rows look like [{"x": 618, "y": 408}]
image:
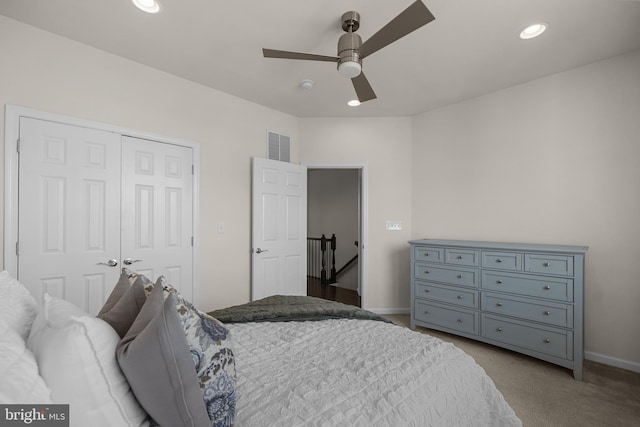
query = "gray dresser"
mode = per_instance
[{"x": 527, "y": 298}]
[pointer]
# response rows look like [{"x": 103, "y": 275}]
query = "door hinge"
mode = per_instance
[
  {"x": 191, "y": 241},
  {"x": 193, "y": 169},
  {"x": 18, "y": 145},
  {"x": 17, "y": 248}
]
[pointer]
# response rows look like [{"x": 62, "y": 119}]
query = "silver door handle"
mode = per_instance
[
  {"x": 259, "y": 251},
  {"x": 129, "y": 261},
  {"x": 110, "y": 263}
]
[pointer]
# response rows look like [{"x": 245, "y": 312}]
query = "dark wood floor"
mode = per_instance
[{"x": 333, "y": 293}]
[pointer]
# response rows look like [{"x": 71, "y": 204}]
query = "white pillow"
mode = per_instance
[
  {"x": 17, "y": 307},
  {"x": 21, "y": 383},
  {"x": 76, "y": 353}
]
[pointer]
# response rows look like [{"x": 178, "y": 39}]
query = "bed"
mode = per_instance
[{"x": 280, "y": 361}]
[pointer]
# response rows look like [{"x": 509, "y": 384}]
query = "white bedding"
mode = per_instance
[
  {"x": 341, "y": 372},
  {"x": 358, "y": 373}
]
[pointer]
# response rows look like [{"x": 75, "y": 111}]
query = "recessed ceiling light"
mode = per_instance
[
  {"x": 533, "y": 30},
  {"x": 149, "y": 6},
  {"x": 353, "y": 103}
]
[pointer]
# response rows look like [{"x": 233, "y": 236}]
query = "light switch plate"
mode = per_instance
[{"x": 394, "y": 225}]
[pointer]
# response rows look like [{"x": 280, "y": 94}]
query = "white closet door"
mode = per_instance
[
  {"x": 69, "y": 204},
  {"x": 157, "y": 211}
]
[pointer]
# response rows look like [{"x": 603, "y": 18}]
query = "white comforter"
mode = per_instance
[{"x": 358, "y": 373}]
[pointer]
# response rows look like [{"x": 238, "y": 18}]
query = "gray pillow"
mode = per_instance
[
  {"x": 154, "y": 356},
  {"x": 121, "y": 314},
  {"x": 126, "y": 279}
]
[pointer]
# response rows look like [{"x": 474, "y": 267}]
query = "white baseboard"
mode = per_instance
[
  {"x": 390, "y": 310},
  {"x": 612, "y": 361}
]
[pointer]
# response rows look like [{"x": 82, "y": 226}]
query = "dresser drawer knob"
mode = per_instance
[
  {"x": 499, "y": 282},
  {"x": 546, "y": 313},
  {"x": 499, "y": 304},
  {"x": 499, "y": 329},
  {"x": 459, "y": 257},
  {"x": 499, "y": 260},
  {"x": 547, "y": 287},
  {"x": 547, "y": 264},
  {"x": 460, "y": 320},
  {"x": 426, "y": 272},
  {"x": 459, "y": 276},
  {"x": 459, "y": 296},
  {"x": 427, "y": 290},
  {"x": 547, "y": 340}
]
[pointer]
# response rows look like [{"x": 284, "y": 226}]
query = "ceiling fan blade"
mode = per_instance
[
  {"x": 363, "y": 88},
  {"x": 413, "y": 17},
  {"x": 283, "y": 54}
]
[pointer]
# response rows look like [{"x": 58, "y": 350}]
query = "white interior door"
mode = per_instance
[
  {"x": 157, "y": 211},
  {"x": 279, "y": 229},
  {"x": 69, "y": 204}
]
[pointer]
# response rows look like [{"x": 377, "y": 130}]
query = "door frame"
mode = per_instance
[
  {"x": 11, "y": 162},
  {"x": 364, "y": 226}
]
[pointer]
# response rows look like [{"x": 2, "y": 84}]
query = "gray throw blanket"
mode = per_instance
[{"x": 286, "y": 308}]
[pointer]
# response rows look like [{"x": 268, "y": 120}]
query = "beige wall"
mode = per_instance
[
  {"x": 384, "y": 144},
  {"x": 556, "y": 160},
  {"x": 49, "y": 73}
]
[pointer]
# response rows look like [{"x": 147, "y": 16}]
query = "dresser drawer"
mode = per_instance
[
  {"x": 462, "y": 257},
  {"x": 537, "y": 310},
  {"x": 554, "y": 288},
  {"x": 549, "y": 264},
  {"x": 453, "y": 275},
  {"x": 554, "y": 342},
  {"x": 448, "y": 294},
  {"x": 511, "y": 261},
  {"x": 424, "y": 253},
  {"x": 454, "y": 318}
]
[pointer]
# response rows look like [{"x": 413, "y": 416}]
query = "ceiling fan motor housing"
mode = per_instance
[
  {"x": 349, "y": 62},
  {"x": 348, "y": 47}
]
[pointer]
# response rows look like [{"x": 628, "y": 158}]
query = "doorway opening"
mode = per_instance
[{"x": 336, "y": 217}]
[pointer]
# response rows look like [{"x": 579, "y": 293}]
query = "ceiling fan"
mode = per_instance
[{"x": 351, "y": 50}]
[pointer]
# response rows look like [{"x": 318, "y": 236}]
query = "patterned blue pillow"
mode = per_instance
[{"x": 210, "y": 346}]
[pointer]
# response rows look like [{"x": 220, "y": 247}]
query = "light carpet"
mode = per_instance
[{"x": 543, "y": 394}]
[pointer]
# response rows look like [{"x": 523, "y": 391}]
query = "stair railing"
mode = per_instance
[
  {"x": 320, "y": 252},
  {"x": 348, "y": 263}
]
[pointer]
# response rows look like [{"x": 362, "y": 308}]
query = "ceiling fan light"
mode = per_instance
[
  {"x": 149, "y": 6},
  {"x": 533, "y": 31},
  {"x": 350, "y": 69}
]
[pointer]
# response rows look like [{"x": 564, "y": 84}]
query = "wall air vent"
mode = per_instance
[{"x": 278, "y": 147}]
